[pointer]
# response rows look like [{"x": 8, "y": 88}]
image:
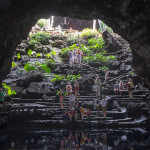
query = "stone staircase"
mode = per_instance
[{"x": 47, "y": 113}]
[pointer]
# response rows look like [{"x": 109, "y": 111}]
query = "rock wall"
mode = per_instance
[{"x": 129, "y": 18}]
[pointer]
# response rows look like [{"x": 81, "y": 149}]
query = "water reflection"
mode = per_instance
[{"x": 75, "y": 140}]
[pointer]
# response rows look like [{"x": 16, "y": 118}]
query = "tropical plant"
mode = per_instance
[
  {"x": 104, "y": 68},
  {"x": 38, "y": 55},
  {"x": 73, "y": 77},
  {"x": 18, "y": 56},
  {"x": 64, "y": 93},
  {"x": 45, "y": 68},
  {"x": 29, "y": 67},
  {"x": 39, "y": 37},
  {"x": 42, "y": 22},
  {"x": 53, "y": 53},
  {"x": 99, "y": 57},
  {"x": 13, "y": 64},
  {"x": 8, "y": 90},
  {"x": 88, "y": 33},
  {"x": 57, "y": 78},
  {"x": 73, "y": 38},
  {"x": 132, "y": 73}
]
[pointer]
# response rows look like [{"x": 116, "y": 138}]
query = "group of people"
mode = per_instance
[
  {"x": 75, "y": 57},
  {"x": 119, "y": 86}
]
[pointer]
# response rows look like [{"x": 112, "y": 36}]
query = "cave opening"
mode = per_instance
[{"x": 40, "y": 69}]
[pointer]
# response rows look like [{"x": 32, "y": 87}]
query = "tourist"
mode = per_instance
[
  {"x": 104, "y": 106},
  {"x": 88, "y": 113},
  {"x": 116, "y": 88},
  {"x": 120, "y": 87},
  {"x": 76, "y": 88},
  {"x": 106, "y": 75},
  {"x": 73, "y": 113},
  {"x": 2, "y": 97},
  {"x": 75, "y": 56},
  {"x": 82, "y": 112},
  {"x": 71, "y": 101},
  {"x": 71, "y": 60},
  {"x": 82, "y": 139},
  {"x": 61, "y": 98},
  {"x": 66, "y": 115},
  {"x": 130, "y": 87},
  {"x": 79, "y": 57},
  {"x": 98, "y": 85},
  {"x": 97, "y": 105},
  {"x": 69, "y": 89}
]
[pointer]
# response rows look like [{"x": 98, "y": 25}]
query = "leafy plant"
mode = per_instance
[
  {"x": 18, "y": 56},
  {"x": 64, "y": 93},
  {"x": 13, "y": 64},
  {"x": 73, "y": 77},
  {"x": 73, "y": 38},
  {"x": 42, "y": 22},
  {"x": 30, "y": 52},
  {"x": 38, "y": 55},
  {"x": 88, "y": 33},
  {"x": 53, "y": 53},
  {"x": 132, "y": 73},
  {"x": 103, "y": 68},
  {"x": 57, "y": 78},
  {"x": 45, "y": 68},
  {"x": 29, "y": 67},
  {"x": 39, "y": 37},
  {"x": 8, "y": 89}
]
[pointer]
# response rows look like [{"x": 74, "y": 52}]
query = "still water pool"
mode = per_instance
[{"x": 122, "y": 139}]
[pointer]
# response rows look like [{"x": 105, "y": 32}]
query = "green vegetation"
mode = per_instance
[
  {"x": 103, "y": 68},
  {"x": 104, "y": 27},
  {"x": 18, "y": 56},
  {"x": 42, "y": 22},
  {"x": 73, "y": 38},
  {"x": 73, "y": 77},
  {"x": 99, "y": 57},
  {"x": 64, "y": 93},
  {"x": 37, "y": 66},
  {"x": 39, "y": 38},
  {"x": 57, "y": 78},
  {"x": 132, "y": 73},
  {"x": 13, "y": 64},
  {"x": 8, "y": 90},
  {"x": 88, "y": 33}
]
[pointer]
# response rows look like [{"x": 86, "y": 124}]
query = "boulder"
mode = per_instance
[
  {"x": 21, "y": 51},
  {"x": 57, "y": 43}
]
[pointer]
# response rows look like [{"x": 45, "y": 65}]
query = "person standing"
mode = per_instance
[
  {"x": 120, "y": 87},
  {"x": 116, "y": 88},
  {"x": 79, "y": 57},
  {"x": 97, "y": 105},
  {"x": 104, "y": 106},
  {"x": 98, "y": 85},
  {"x": 76, "y": 88},
  {"x": 71, "y": 101},
  {"x": 75, "y": 56},
  {"x": 71, "y": 60},
  {"x": 130, "y": 87},
  {"x": 69, "y": 89},
  {"x": 106, "y": 75}
]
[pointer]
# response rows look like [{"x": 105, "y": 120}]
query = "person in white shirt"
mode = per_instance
[
  {"x": 71, "y": 101},
  {"x": 104, "y": 106}
]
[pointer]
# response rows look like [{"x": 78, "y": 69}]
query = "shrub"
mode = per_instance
[
  {"x": 39, "y": 37},
  {"x": 96, "y": 44},
  {"x": 99, "y": 57},
  {"x": 103, "y": 68},
  {"x": 42, "y": 22},
  {"x": 73, "y": 77},
  {"x": 57, "y": 78},
  {"x": 88, "y": 33},
  {"x": 73, "y": 38}
]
